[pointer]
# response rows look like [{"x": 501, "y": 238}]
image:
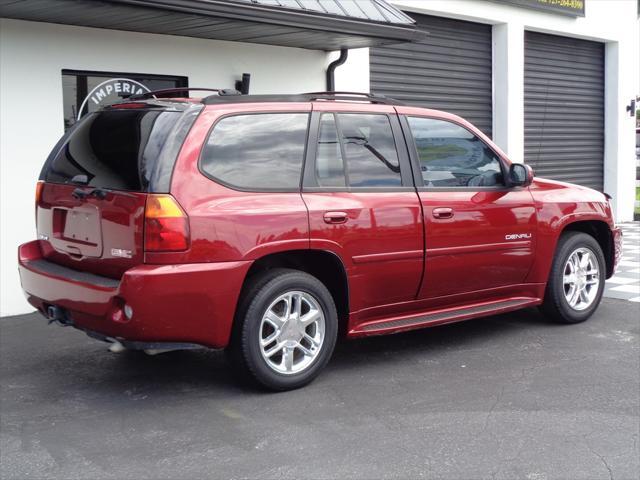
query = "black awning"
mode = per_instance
[{"x": 312, "y": 24}]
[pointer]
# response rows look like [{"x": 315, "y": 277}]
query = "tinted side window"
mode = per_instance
[
  {"x": 257, "y": 151},
  {"x": 370, "y": 150},
  {"x": 329, "y": 163},
  {"x": 452, "y": 156}
]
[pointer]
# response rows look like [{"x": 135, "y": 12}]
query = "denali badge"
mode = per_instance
[
  {"x": 119, "y": 252},
  {"x": 517, "y": 236}
]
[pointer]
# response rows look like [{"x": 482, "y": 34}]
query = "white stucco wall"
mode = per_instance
[
  {"x": 32, "y": 56},
  {"x": 613, "y": 22}
]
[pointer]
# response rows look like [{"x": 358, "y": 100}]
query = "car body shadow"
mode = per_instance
[{"x": 209, "y": 369}]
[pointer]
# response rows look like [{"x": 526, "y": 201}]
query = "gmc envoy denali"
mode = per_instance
[{"x": 269, "y": 225}]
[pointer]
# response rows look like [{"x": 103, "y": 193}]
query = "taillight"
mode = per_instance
[
  {"x": 39, "y": 186},
  {"x": 166, "y": 226}
]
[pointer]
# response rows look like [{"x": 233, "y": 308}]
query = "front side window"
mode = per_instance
[
  {"x": 452, "y": 156},
  {"x": 261, "y": 151}
]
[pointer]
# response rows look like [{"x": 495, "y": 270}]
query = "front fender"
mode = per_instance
[{"x": 560, "y": 205}]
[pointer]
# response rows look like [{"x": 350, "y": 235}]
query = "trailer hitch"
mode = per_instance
[{"x": 58, "y": 315}]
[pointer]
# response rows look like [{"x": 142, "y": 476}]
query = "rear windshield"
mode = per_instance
[{"x": 128, "y": 149}]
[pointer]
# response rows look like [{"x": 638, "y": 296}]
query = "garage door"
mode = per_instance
[
  {"x": 564, "y": 108},
  {"x": 449, "y": 70}
]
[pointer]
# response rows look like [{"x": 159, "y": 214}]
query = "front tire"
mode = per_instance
[
  {"x": 288, "y": 329},
  {"x": 576, "y": 280}
]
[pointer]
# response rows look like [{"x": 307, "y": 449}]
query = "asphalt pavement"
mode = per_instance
[{"x": 505, "y": 397}]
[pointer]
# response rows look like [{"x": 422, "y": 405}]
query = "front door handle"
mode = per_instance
[
  {"x": 442, "y": 213},
  {"x": 335, "y": 217}
]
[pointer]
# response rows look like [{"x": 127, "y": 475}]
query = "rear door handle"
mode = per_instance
[
  {"x": 442, "y": 212},
  {"x": 335, "y": 217}
]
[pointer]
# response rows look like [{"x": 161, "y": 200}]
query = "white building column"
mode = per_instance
[
  {"x": 508, "y": 89},
  {"x": 353, "y": 75},
  {"x": 619, "y": 138}
]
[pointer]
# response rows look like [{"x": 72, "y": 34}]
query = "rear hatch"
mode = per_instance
[{"x": 91, "y": 207}]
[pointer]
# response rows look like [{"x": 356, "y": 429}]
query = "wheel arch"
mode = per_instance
[
  {"x": 326, "y": 266},
  {"x": 599, "y": 230}
]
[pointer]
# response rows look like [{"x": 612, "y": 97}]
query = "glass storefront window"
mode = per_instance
[{"x": 85, "y": 92}]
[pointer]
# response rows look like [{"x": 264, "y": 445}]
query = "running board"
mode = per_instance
[{"x": 441, "y": 317}]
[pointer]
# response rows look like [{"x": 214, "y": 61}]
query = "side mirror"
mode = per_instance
[{"x": 520, "y": 175}]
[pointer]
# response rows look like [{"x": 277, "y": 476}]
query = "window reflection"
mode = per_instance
[
  {"x": 372, "y": 160},
  {"x": 257, "y": 151},
  {"x": 329, "y": 162},
  {"x": 452, "y": 156}
]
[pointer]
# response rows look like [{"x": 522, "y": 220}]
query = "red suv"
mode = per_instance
[{"x": 269, "y": 225}]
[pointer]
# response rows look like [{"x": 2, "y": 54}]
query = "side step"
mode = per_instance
[{"x": 440, "y": 317}]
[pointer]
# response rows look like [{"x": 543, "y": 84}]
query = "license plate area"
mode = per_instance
[{"x": 77, "y": 230}]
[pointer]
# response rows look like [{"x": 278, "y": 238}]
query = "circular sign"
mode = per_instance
[{"x": 102, "y": 93}]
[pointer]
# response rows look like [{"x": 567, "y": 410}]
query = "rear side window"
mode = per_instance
[
  {"x": 329, "y": 162},
  {"x": 131, "y": 150},
  {"x": 262, "y": 151},
  {"x": 372, "y": 160},
  {"x": 360, "y": 152}
]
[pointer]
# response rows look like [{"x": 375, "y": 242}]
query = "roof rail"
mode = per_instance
[
  {"x": 353, "y": 96},
  {"x": 303, "y": 97},
  {"x": 167, "y": 91},
  {"x": 340, "y": 92}
]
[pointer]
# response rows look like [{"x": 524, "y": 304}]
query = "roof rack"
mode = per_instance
[
  {"x": 303, "y": 97},
  {"x": 168, "y": 91},
  {"x": 342, "y": 92}
]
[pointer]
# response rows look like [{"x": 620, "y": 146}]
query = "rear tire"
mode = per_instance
[
  {"x": 576, "y": 279},
  {"x": 287, "y": 329}
]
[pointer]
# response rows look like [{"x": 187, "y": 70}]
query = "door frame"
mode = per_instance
[
  {"x": 420, "y": 187},
  {"x": 310, "y": 186}
]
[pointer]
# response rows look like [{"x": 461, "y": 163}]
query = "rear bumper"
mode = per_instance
[{"x": 190, "y": 303}]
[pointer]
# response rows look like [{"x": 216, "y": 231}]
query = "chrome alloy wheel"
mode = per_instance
[
  {"x": 581, "y": 279},
  {"x": 292, "y": 331}
]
